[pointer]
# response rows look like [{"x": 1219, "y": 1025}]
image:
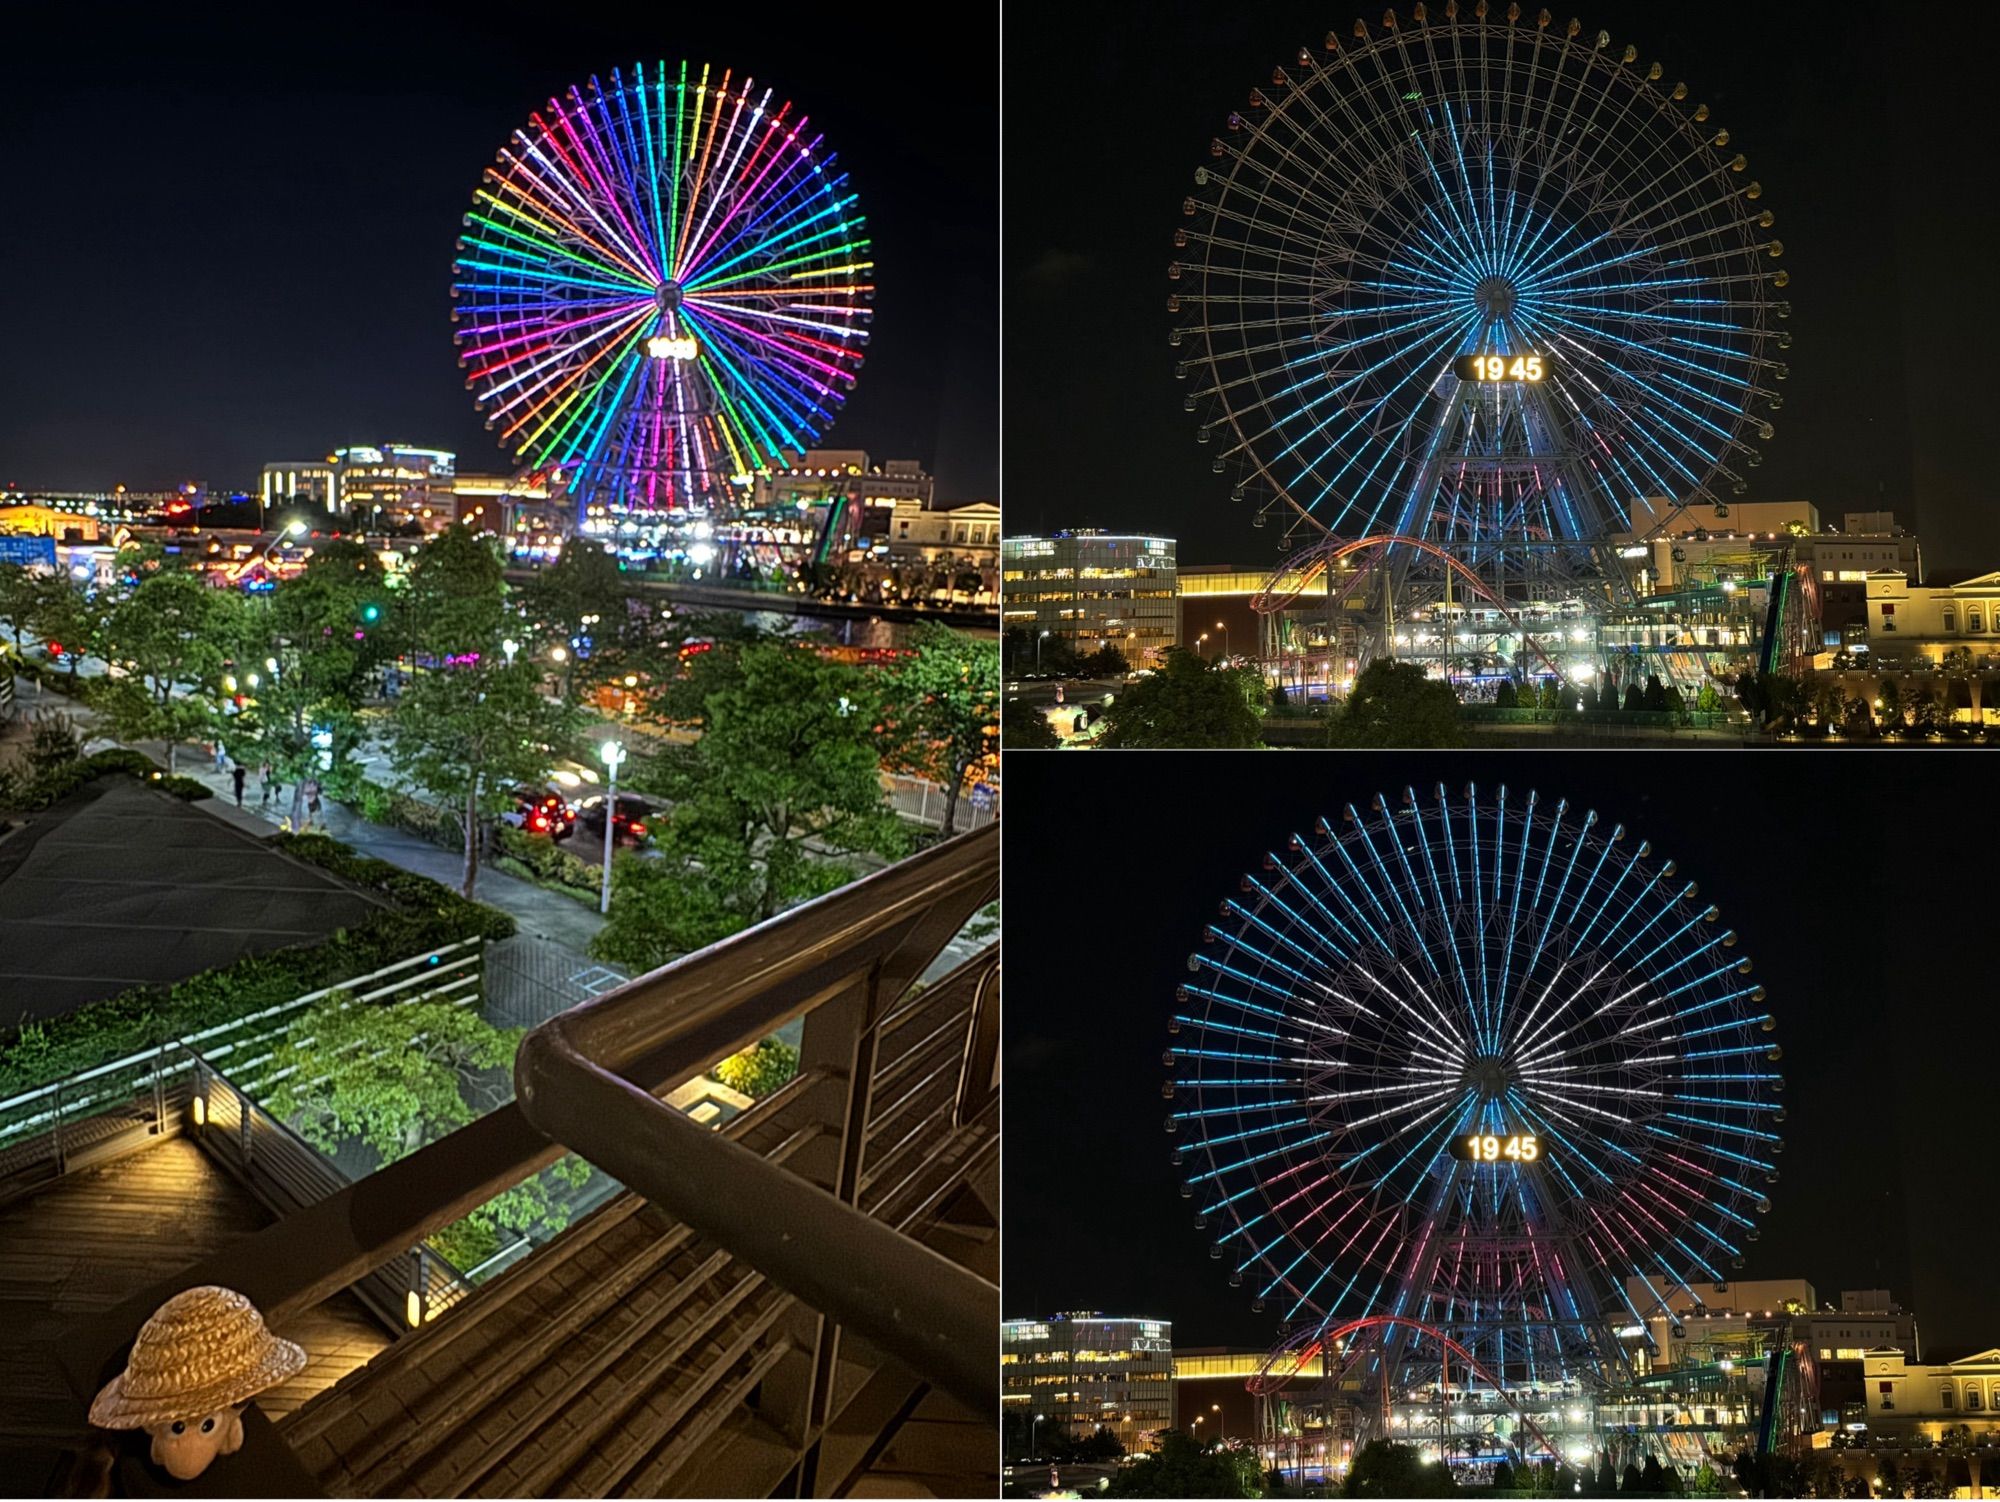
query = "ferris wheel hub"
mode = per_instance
[
  {"x": 1491, "y": 1075},
  {"x": 668, "y": 295},
  {"x": 1495, "y": 296}
]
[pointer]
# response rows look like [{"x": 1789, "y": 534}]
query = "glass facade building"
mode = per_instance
[
  {"x": 1090, "y": 589},
  {"x": 1086, "y": 1372}
]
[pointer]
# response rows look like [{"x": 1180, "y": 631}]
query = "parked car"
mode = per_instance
[
  {"x": 540, "y": 811},
  {"x": 632, "y": 821}
]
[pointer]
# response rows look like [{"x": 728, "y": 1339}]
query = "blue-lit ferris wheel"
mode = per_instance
[
  {"x": 1480, "y": 281},
  {"x": 1483, "y": 1066}
]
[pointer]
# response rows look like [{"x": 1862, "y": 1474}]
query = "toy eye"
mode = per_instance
[
  {"x": 207, "y": 1425},
  {"x": 180, "y": 1426}
]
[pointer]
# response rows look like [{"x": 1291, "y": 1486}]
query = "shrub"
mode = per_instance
[
  {"x": 547, "y": 861},
  {"x": 428, "y": 915},
  {"x": 759, "y": 1071},
  {"x": 184, "y": 788}
]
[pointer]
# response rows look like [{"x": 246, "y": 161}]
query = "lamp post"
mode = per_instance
[
  {"x": 1224, "y": 629},
  {"x": 1221, "y": 1423},
  {"x": 510, "y": 647},
  {"x": 612, "y": 754},
  {"x": 1200, "y": 642},
  {"x": 1035, "y": 1429},
  {"x": 1038, "y": 652}
]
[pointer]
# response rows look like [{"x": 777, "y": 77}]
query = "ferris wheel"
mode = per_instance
[
  {"x": 663, "y": 286},
  {"x": 1480, "y": 1066},
  {"x": 1481, "y": 281}
]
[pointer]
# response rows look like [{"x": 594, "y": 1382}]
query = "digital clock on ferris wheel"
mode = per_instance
[
  {"x": 1488, "y": 368},
  {"x": 1490, "y": 1147}
]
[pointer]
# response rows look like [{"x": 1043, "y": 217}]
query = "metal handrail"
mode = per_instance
[
  {"x": 702, "y": 1007},
  {"x": 906, "y": 1299}
]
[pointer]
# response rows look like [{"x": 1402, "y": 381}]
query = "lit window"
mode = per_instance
[{"x": 1972, "y": 1397}]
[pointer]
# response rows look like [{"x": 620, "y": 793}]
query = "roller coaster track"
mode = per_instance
[
  {"x": 1310, "y": 565},
  {"x": 1287, "y": 1362}
]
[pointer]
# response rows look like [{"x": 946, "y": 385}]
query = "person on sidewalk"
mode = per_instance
[
  {"x": 221, "y": 757},
  {"x": 312, "y": 802},
  {"x": 269, "y": 779},
  {"x": 236, "y": 775}
]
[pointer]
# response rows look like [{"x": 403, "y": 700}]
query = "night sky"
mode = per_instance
[
  {"x": 1860, "y": 894},
  {"x": 229, "y": 231},
  {"x": 1872, "y": 142}
]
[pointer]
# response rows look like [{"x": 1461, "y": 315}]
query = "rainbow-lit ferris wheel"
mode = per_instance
[{"x": 663, "y": 286}]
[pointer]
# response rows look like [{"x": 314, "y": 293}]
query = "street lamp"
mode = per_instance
[
  {"x": 1200, "y": 642},
  {"x": 1224, "y": 629},
  {"x": 510, "y": 647},
  {"x": 1035, "y": 1429},
  {"x": 612, "y": 754},
  {"x": 1038, "y": 652},
  {"x": 1221, "y": 1424},
  {"x": 558, "y": 654}
]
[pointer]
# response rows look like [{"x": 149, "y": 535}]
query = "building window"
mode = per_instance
[
  {"x": 1951, "y": 620},
  {"x": 1974, "y": 621},
  {"x": 1944, "y": 1397},
  {"x": 1972, "y": 1397}
]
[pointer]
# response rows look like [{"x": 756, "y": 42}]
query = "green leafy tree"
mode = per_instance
[
  {"x": 784, "y": 783},
  {"x": 397, "y": 1077},
  {"x": 579, "y": 597},
  {"x": 943, "y": 705},
  {"x": 1891, "y": 694},
  {"x": 1383, "y": 1469},
  {"x": 698, "y": 658},
  {"x": 470, "y": 727},
  {"x": 1549, "y": 699},
  {"x": 1506, "y": 696},
  {"x": 1706, "y": 699},
  {"x": 1654, "y": 1478},
  {"x": 1183, "y": 1468},
  {"x": 61, "y": 612},
  {"x": 1654, "y": 696},
  {"x": 1023, "y": 727},
  {"x": 1631, "y": 1480},
  {"x": 18, "y": 594},
  {"x": 1189, "y": 702},
  {"x": 1503, "y": 1477},
  {"x": 758, "y": 1071},
  {"x": 328, "y": 631},
  {"x": 1635, "y": 698},
  {"x": 167, "y": 638},
  {"x": 1397, "y": 704},
  {"x": 1106, "y": 662}
]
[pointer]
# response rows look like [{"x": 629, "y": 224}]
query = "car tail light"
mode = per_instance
[
  {"x": 638, "y": 829},
  {"x": 541, "y": 822}
]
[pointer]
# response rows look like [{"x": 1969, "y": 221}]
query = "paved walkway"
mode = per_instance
[{"x": 535, "y": 908}]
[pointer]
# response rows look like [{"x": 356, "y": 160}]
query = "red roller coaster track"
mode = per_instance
[{"x": 1269, "y": 1381}]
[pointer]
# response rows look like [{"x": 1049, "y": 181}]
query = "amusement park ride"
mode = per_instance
[
  {"x": 1454, "y": 294},
  {"x": 663, "y": 287},
  {"x": 1451, "y": 1080}
]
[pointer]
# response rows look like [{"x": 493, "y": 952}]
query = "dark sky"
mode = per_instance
[
  {"x": 1859, "y": 894},
  {"x": 229, "y": 231},
  {"x": 1872, "y": 142}
]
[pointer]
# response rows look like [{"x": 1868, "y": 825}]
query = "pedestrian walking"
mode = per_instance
[
  {"x": 269, "y": 780},
  {"x": 312, "y": 801},
  {"x": 236, "y": 775},
  {"x": 221, "y": 757}
]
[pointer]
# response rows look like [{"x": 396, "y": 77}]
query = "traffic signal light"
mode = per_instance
[{"x": 371, "y": 613}]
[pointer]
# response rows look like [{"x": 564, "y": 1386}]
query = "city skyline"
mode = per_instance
[
  {"x": 1859, "y": 164},
  {"x": 271, "y": 271},
  {"x": 1871, "y": 1109}
]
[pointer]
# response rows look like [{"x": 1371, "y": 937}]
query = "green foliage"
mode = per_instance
[
  {"x": 1707, "y": 700},
  {"x": 1383, "y": 1469},
  {"x": 427, "y": 916},
  {"x": 546, "y": 861},
  {"x": 757, "y": 1072},
  {"x": 698, "y": 891},
  {"x": 582, "y": 594},
  {"x": 1023, "y": 727},
  {"x": 1395, "y": 704},
  {"x": 169, "y": 635},
  {"x": 1183, "y": 1468},
  {"x": 943, "y": 707},
  {"x": 1506, "y": 696},
  {"x": 184, "y": 788},
  {"x": 52, "y": 742},
  {"x": 1189, "y": 702},
  {"x": 1106, "y": 662}
]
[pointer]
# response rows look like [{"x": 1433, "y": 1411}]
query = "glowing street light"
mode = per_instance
[
  {"x": 611, "y": 753},
  {"x": 510, "y": 647}
]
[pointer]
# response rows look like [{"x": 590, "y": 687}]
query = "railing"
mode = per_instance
[
  {"x": 841, "y": 963},
  {"x": 46, "y": 1128}
]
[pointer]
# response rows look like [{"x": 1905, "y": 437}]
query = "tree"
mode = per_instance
[
  {"x": 167, "y": 639},
  {"x": 1635, "y": 698},
  {"x": 396, "y": 1077},
  {"x": 1654, "y": 696},
  {"x": 1631, "y": 1481},
  {"x": 1183, "y": 1468},
  {"x": 1654, "y": 1478},
  {"x": 1550, "y": 696},
  {"x": 1396, "y": 704},
  {"x": 1106, "y": 662},
  {"x": 327, "y": 631},
  {"x": 1928, "y": 714},
  {"x": 1706, "y": 699},
  {"x": 60, "y": 612},
  {"x": 1189, "y": 702},
  {"x": 1607, "y": 1478},
  {"x": 943, "y": 708},
  {"x": 1506, "y": 697},
  {"x": 1587, "y": 699},
  {"x": 1023, "y": 727},
  {"x": 579, "y": 603},
  {"x": 783, "y": 783},
  {"x": 1383, "y": 1469},
  {"x": 471, "y": 726},
  {"x": 1503, "y": 1473},
  {"x": 758, "y": 1071},
  {"x": 1890, "y": 693},
  {"x": 17, "y": 600}
]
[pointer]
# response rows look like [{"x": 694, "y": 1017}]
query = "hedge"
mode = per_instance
[
  {"x": 546, "y": 861},
  {"x": 50, "y": 788},
  {"x": 430, "y": 915}
]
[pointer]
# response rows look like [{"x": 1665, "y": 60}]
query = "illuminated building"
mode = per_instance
[
  {"x": 39, "y": 520},
  {"x": 1918, "y": 623},
  {"x": 286, "y": 480},
  {"x": 1091, "y": 589},
  {"x": 1086, "y": 1372},
  {"x": 391, "y": 481},
  {"x": 836, "y": 499}
]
